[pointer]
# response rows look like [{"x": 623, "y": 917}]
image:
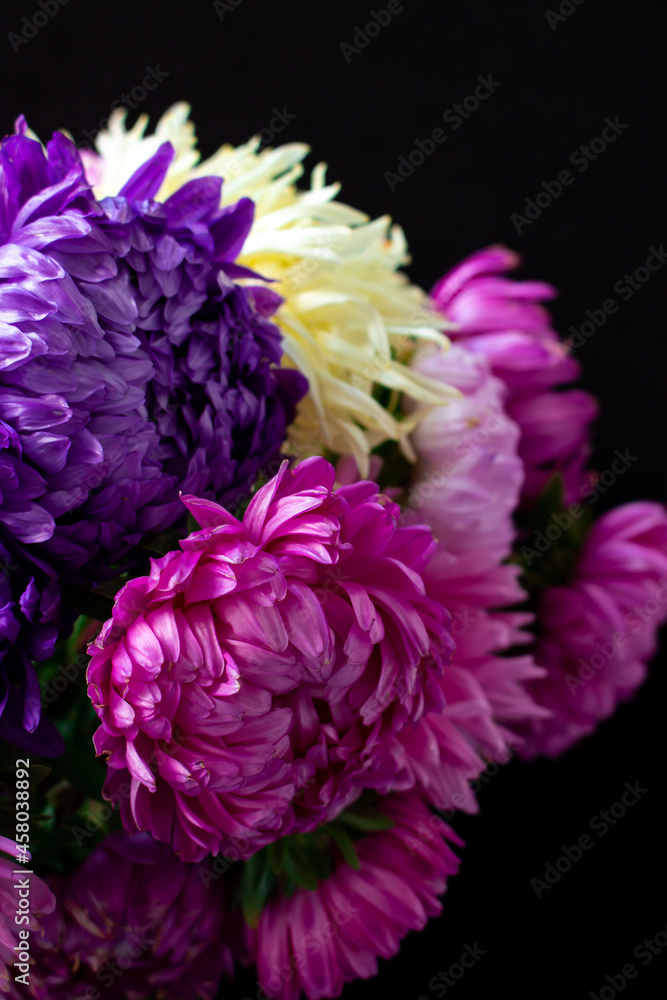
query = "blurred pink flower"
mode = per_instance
[
  {"x": 40, "y": 901},
  {"x": 597, "y": 633},
  {"x": 134, "y": 920}
]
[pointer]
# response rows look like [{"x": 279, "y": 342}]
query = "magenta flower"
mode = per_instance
[
  {"x": 505, "y": 321},
  {"x": 40, "y": 901},
  {"x": 466, "y": 489},
  {"x": 598, "y": 631},
  {"x": 133, "y": 921},
  {"x": 317, "y": 940},
  {"x": 253, "y": 684}
]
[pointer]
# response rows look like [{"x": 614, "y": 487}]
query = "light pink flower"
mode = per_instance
[{"x": 466, "y": 489}]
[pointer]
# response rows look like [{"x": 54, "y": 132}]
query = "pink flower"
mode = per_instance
[
  {"x": 133, "y": 921},
  {"x": 504, "y": 321},
  {"x": 598, "y": 631},
  {"x": 466, "y": 489},
  {"x": 41, "y": 901},
  {"x": 317, "y": 940},
  {"x": 469, "y": 473},
  {"x": 254, "y": 682}
]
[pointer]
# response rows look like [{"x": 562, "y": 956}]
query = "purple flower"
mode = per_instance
[
  {"x": 79, "y": 455},
  {"x": 597, "y": 632},
  {"x": 219, "y": 399},
  {"x": 505, "y": 321},
  {"x": 315, "y": 941},
  {"x": 253, "y": 684},
  {"x": 131, "y": 364},
  {"x": 132, "y": 920}
]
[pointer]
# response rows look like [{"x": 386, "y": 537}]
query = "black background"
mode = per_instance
[{"x": 360, "y": 114}]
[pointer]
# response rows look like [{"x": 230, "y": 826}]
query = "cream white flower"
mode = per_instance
[{"x": 350, "y": 318}]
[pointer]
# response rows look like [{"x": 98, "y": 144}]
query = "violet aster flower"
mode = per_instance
[
  {"x": 218, "y": 396},
  {"x": 317, "y": 940},
  {"x": 133, "y": 921},
  {"x": 131, "y": 364},
  {"x": 597, "y": 632},
  {"x": 41, "y": 901},
  {"x": 505, "y": 321},
  {"x": 270, "y": 656},
  {"x": 79, "y": 461},
  {"x": 466, "y": 489}
]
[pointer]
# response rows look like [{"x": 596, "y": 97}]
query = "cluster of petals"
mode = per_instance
[
  {"x": 134, "y": 921},
  {"x": 132, "y": 365},
  {"x": 598, "y": 631},
  {"x": 504, "y": 321},
  {"x": 466, "y": 488},
  {"x": 41, "y": 902},
  {"x": 350, "y": 318},
  {"x": 314, "y": 941},
  {"x": 158, "y": 368},
  {"x": 254, "y": 683},
  {"x": 217, "y": 395},
  {"x": 75, "y": 437}
]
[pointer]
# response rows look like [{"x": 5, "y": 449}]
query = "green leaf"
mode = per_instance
[
  {"x": 38, "y": 772},
  {"x": 298, "y": 869},
  {"x": 550, "y": 500},
  {"x": 276, "y": 855},
  {"x": 346, "y": 845},
  {"x": 366, "y": 818},
  {"x": 548, "y": 548},
  {"x": 255, "y": 886}
]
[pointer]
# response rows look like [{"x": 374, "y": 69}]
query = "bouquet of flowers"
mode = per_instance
[{"x": 291, "y": 551}]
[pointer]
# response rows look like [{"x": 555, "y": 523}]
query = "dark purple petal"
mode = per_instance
[{"x": 145, "y": 182}]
